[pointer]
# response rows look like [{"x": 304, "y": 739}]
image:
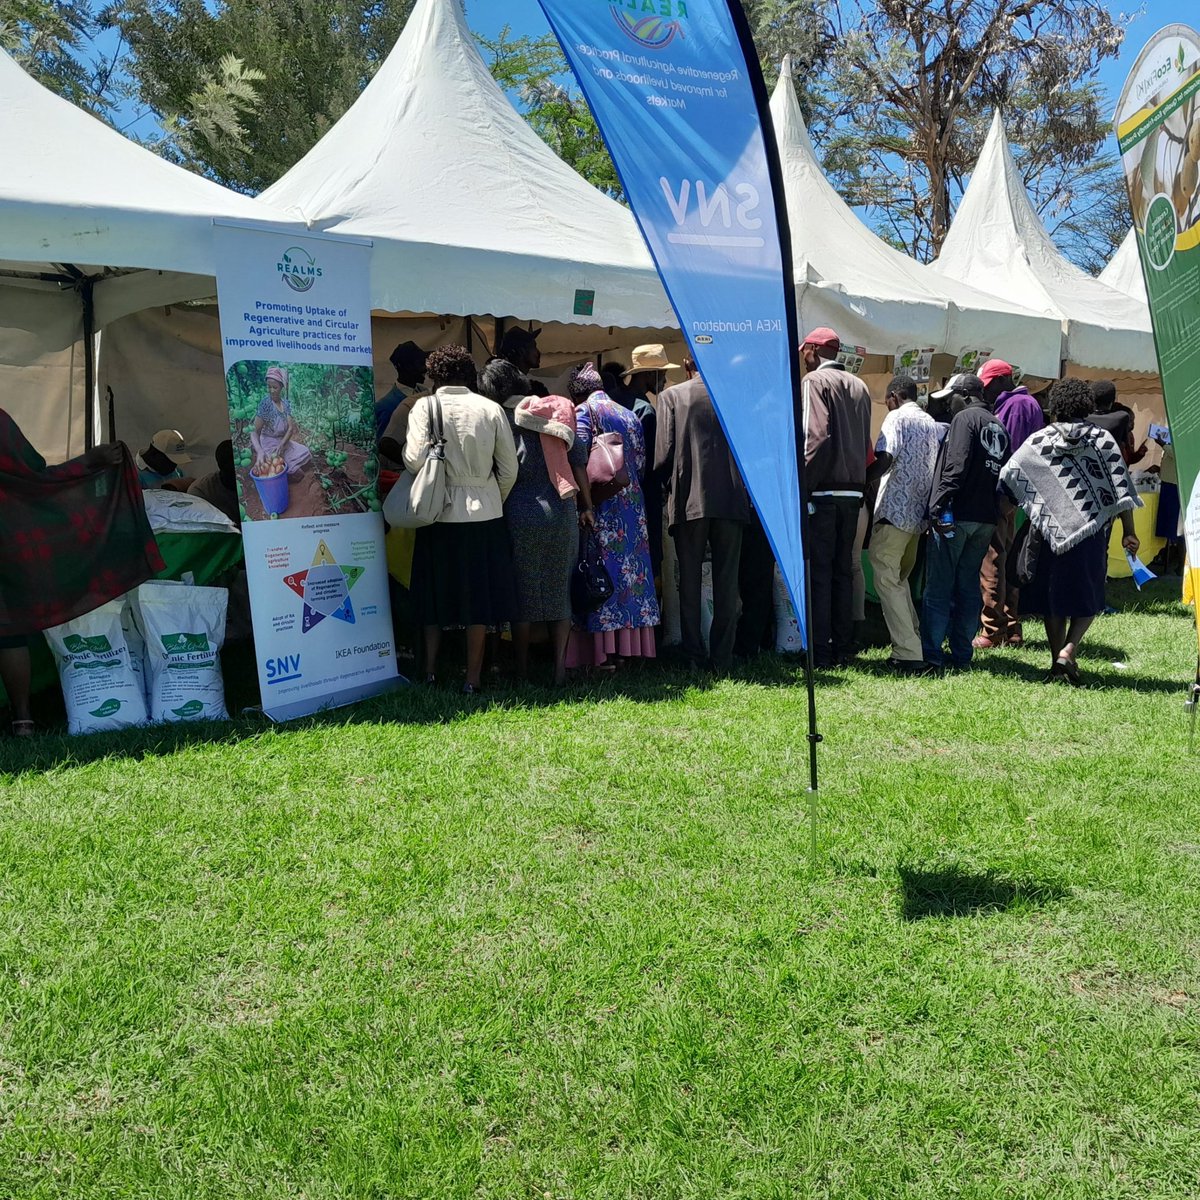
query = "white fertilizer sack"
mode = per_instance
[
  {"x": 184, "y": 630},
  {"x": 177, "y": 512},
  {"x": 100, "y": 672}
]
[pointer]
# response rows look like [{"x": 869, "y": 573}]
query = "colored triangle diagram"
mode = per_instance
[
  {"x": 311, "y": 618},
  {"x": 323, "y": 557},
  {"x": 296, "y": 582}
]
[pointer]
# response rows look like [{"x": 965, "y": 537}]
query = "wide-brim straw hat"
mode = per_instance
[{"x": 652, "y": 357}]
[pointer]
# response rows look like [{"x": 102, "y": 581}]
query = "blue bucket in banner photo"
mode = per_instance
[{"x": 273, "y": 492}]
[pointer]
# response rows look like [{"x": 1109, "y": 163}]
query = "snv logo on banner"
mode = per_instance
[
  {"x": 710, "y": 205},
  {"x": 655, "y": 31},
  {"x": 299, "y": 269}
]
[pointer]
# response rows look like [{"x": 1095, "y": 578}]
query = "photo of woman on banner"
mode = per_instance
[{"x": 275, "y": 430}]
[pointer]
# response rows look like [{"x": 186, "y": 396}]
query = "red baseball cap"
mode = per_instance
[
  {"x": 994, "y": 368},
  {"x": 823, "y": 336}
]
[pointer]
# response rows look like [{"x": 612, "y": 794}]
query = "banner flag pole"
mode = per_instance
[
  {"x": 679, "y": 97},
  {"x": 1157, "y": 123}
]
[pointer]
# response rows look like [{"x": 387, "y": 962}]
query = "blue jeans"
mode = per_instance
[{"x": 952, "y": 597}]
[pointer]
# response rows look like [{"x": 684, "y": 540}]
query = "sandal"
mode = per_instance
[
  {"x": 1070, "y": 669},
  {"x": 23, "y": 729},
  {"x": 1065, "y": 670}
]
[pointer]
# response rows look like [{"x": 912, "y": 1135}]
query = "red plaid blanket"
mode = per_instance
[{"x": 71, "y": 536}]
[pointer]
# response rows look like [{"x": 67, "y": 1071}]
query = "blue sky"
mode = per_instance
[{"x": 488, "y": 17}]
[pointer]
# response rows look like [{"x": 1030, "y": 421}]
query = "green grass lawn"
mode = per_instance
[{"x": 546, "y": 945}]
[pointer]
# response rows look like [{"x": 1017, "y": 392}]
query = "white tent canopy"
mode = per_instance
[
  {"x": 997, "y": 243},
  {"x": 470, "y": 211},
  {"x": 874, "y": 295},
  {"x": 1124, "y": 272},
  {"x": 92, "y": 227},
  {"x": 80, "y": 201}
]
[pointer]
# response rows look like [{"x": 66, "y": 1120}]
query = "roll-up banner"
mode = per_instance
[
  {"x": 1158, "y": 132},
  {"x": 296, "y": 337},
  {"x": 677, "y": 93}
]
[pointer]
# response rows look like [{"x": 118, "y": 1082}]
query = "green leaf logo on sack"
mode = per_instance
[
  {"x": 109, "y": 708},
  {"x": 75, "y": 644},
  {"x": 185, "y": 643},
  {"x": 193, "y": 708}
]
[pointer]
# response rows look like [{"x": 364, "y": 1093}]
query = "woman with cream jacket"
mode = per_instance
[{"x": 462, "y": 565}]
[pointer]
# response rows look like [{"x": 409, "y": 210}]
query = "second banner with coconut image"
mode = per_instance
[{"x": 296, "y": 338}]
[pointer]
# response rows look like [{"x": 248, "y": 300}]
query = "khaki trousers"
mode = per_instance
[{"x": 893, "y": 553}]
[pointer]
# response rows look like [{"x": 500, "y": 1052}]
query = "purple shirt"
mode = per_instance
[{"x": 1020, "y": 414}]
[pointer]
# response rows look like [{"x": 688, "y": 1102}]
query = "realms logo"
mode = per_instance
[
  {"x": 299, "y": 269},
  {"x": 651, "y": 23}
]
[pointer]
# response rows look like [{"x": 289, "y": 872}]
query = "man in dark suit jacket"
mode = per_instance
[{"x": 707, "y": 505}]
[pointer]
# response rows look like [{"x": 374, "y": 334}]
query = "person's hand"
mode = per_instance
[
  {"x": 1131, "y": 543},
  {"x": 587, "y": 518}
]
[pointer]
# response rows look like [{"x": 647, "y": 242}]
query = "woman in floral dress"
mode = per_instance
[{"x": 622, "y": 627}]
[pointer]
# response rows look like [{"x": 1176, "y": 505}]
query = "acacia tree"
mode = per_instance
[
  {"x": 917, "y": 80},
  {"x": 50, "y": 40},
  {"x": 244, "y": 88}
]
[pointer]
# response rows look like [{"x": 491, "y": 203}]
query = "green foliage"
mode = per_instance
[
  {"x": 536, "y": 73},
  {"x": 246, "y": 87},
  {"x": 333, "y": 405},
  {"x": 570, "y": 943},
  {"x": 49, "y": 38},
  {"x": 912, "y": 86}
]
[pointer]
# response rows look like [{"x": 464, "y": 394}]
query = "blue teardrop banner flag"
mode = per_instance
[{"x": 677, "y": 93}]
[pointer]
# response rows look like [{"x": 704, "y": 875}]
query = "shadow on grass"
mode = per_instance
[
  {"x": 1092, "y": 659},
  {"x": 444, "y": 704},
  {"x": 950, "y": 891},
  {"x": 1160, "y": 597}
]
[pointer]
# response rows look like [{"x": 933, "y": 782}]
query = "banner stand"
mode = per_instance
[
  {"x": 296, "y": 340},
  {"x": 679, "y": 98},
  {"x": 762, "y": 102},
  {"x": 1157, "y": 125}
]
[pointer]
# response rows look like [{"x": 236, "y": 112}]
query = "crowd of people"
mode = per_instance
[
  {"x": 636, "y": 478},
  {"x": 933, "y": 500}
]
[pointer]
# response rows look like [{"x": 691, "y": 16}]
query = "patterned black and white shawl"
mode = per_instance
[{"x": 1071, "y": 481}]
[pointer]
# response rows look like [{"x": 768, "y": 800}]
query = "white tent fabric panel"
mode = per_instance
[
  {"x": 74, "y": 190},
  {"x": 872, "y": 294},
  {"x": 1124, "y": 272},
  {"x": 998, "y": 243},
  {"x": 469, "y": 209}
]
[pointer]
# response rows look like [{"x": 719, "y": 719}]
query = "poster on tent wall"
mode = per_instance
[
  {"x": 296, "y": 337},
  {"x": 1158, "y": 132},
  {"x": 676, "y": 92}
]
